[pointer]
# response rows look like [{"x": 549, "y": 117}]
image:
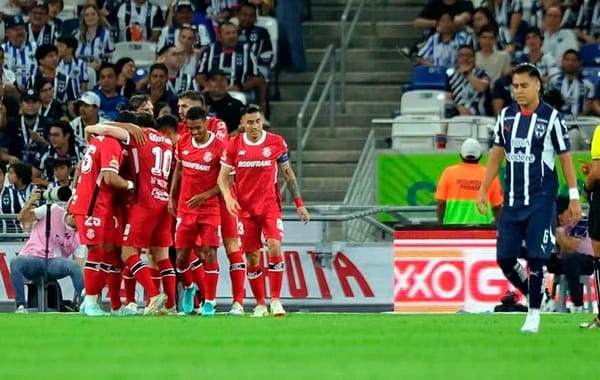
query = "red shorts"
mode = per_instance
[
  {"x": 270, "y": 225},
  {"x": 193, "y": 230},
  {"x": 229, "y": 223},
  {"x": 96, "y": 230},
  {"x": 148, "y": 227}
]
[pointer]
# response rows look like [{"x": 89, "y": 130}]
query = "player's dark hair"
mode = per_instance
[
  {"x": 158, "y": 66},
  {"x": 196, "y": 113},
  {"x": 167, "y": 122},
  {"x": 145, "y": 120},
  {"x": 108, "y": 65},
  {"x": 488, "y": 28},
  {"x": 572, "y": 51},
  {"x": 195, "y": 96},
  {"x": 127, "y": 117},
  {"x": 64, "y": 126},
  {"x": 69, "y": 41},
  {"x": 528, "y": 68},
  {"x": 43, "y": 50},
  {"x": 136, "y": 101},
  {"x": 249, "y": 108},
  {"x": 23, "y": 171}
]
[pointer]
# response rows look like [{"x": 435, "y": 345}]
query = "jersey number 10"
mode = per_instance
[{"x": 162, "y": 162}]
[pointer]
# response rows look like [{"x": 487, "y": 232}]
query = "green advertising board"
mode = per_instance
[{"x": 411, "y": 179}]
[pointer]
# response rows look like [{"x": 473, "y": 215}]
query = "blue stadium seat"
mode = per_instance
[
  {"x": 590, "y": 55},
  {"x": 428, "y": 78},
  {"x": 69, "y": 26},
  {"x": 592, "y": 73}
]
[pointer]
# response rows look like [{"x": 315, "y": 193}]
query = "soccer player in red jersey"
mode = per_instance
[
  {"x": 256, "y": 156},
  {"x": 229, "y": 223},
  {"x": 195, "y": 188},
  {"x": 92, "y": 205},
  {"x": 148, "y": 221}
]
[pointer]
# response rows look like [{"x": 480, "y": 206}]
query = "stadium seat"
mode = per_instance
[
  {"x": 561, "y": 282},
  {"x": 69, "y": 26},
  {"x": 463, "y": 127},
  {"x": 144, "y": 53},
  {"x": 239, "y": 96},
  {"x": 50, "y": 294},
  {"x": 428, "y": 78},
  {"x": 590, "y": 55},
  {"x": 592, "y": 73},
  {"x": 415, "y": 132},
  {"x": 587, "y": 125},
  {"x": 423, "y": 102}
]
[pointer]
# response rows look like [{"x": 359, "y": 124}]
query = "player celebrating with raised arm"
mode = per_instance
[
  {"x": 255, "y": 156},
  {"x": 528, "y": 133}
]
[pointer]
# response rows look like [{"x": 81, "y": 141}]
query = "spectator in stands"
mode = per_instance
[
  {"x": 440, "y": 49},
  {"x": 458, "y": 188},
  {"x": 577, "y": 91},
  {"x": 162, "y": 109},
  {"x": 588, "y": 22},
  {"x": 75, "y": 68},
  {"x": 243, "y": 75},
  {"x": 8, "y": 77},
  {"x": 139, "y": 20},
  {"x": 460, "y": 10},
  {"x": 220, "y": 10},
  {"x": 557, "y": 39},
  {"x": 19, "y": 51},
  {"x": 65, "y": 88},
  {"x": 177, "y": 80},
  {"x": 40, "y": 31},
  {"x": 62, "y": 145},
  {"x": 54, "y": 9},
  {"x": 156, "y": 87},
  {"x": 31, "y": 261},
  {"x": 5, "y": 200},
  {"x": 508, "y": 15},
  {"x": 258, "y": 38},
  {"x": 62, "y": 173},
  {"x": 125, "y": 74},
  {"x": 111, "y": 102},
  {"x": 20, "y": 186},
  {"x": 574, "y": 256},
  {"x": 95, "y": 40},
  {"x": 220, "y": 104},
  {"x": 88, "y": 109},
  {"x": 191, "y": 55},
  {"x": 496, "y": 63},
  {"x": 482, "y": 16},
  {"x": 467, "y": 86},
  {"x": 545, "y": 63},
  {"x": 183, "y": 15},
  {"x": 6, "y": 102},
  {"x": 25, "y": 135},
  {"x": 289, "y": 18},
  {"x": 50, "y": 107}
]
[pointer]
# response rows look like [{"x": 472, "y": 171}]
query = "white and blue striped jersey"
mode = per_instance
[
  {"x": 504, "y": 11},
  {"x": 530, "y": 141},
  {"x": 100, "y": 47},
  {"x": 546, "y": 65},
  {"x": 440, "y": 53},
  {"x": 588, "y": 19},
  {"x": 574, "y": 93},
  {"x": 20, "y": 60}
]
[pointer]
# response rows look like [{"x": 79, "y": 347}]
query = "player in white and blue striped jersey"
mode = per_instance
[{"x": 528, "y": 133}]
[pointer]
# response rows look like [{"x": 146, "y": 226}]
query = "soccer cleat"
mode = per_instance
[
  {"x": 124, "y": 311},
  {"x": 277, "y": 309},
  {"x": 132, "y": 306},
  {"x": 236, "y": 310},
  {"x": 187, "y": 304},
  {"x": 156, "y": 305},
  {"x": 532, "y": 323},
  {"x": 595, "y": 324},
  {"x": 93, "y": 310},
  {"x": 260, "y": 311},
  {"x": 208, "y": 309},
  {"x": 21, "y": 310},
  {"x": 171, "y": 311},
  {"x": 577, "y": 309}
]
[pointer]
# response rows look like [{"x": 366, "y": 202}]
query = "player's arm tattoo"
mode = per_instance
[{"x": 290, "y": 179}]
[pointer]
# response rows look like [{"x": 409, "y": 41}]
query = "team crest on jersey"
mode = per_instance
[
  {"x": 539, "y": 131},
  {"x": 220, "y": 135},
  {"x": 266, "y": 152},
  {"x": 208, "y": 157},
  {"x": 90, "y": 234}
]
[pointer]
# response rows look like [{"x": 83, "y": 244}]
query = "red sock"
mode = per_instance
[
  {"x": 198, "y": 276},
  {"x": 185, "y": 273},
  {"x": 237, "y": 275},
  {"x": 257, "y": 284},
  {"x": 112, "y": 259},
  {"x": 141, "y": 273},
  {"x": 92, "y": 272},
  {"x": 276, "y": 268},
  {"x": 211, "y": 271},
  {"x": 167, "y": 273},
  {"x": 155, "y": 275},
  {"x": 129, "y": 282}
]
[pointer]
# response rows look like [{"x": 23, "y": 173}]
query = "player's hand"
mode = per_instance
[
  {"x": 35, "y": 196},
  {"x": 482, "y": 203},
  {"x": 585, "y": 167},
  {"x": 37, "y": 138},
  {"x": 232, "y": 206},
  {"x": 172, "y": 207},
  {"x": 136, "y": 132},
  {"x": 303, "y": 214},
  {"x": 574, "y": 211},
  {"x": 197, "y": 200}
]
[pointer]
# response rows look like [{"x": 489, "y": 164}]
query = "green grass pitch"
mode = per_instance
[{"x": 300, "y": 346}]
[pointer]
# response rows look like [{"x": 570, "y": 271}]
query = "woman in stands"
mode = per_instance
[
  {"x": 95, "y": 41},
  {"x": 125, "y": 74}
]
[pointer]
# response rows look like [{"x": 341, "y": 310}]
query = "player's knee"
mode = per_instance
[
  {"x": 274, "y": 247},
  {"x": 506, "y": 265},
  {"x": 231, "y": 245},
  {"x": 253, "y": 258}
]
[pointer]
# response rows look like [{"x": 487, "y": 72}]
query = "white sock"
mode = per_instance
[
  {"x": 91, "y": 299},
  {"x": 535, "y": 312}
]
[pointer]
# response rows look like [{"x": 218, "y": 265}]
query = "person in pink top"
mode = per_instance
[{"x": 63, "y": 245}]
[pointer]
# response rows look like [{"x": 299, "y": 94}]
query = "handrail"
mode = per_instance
[
  {"x": 345, "y": 37},
  {"x": 304, "y": 132}
]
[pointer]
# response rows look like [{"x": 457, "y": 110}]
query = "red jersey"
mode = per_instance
[
  {"x": 213, "y": 124},
  {"x": 152, "y": 164},
  {"x": 255, "y": 166},
  {"x": 200, "y": 164},
  {"x": 92, "y": 195}
]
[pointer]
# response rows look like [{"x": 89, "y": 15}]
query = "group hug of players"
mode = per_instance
[{"x": 141, "y": 188}]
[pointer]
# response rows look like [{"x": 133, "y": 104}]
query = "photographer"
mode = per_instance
[{"x": 31, "y": 261}]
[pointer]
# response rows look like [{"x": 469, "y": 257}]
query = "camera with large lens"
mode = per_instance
[{"x": 57, "y": 194}]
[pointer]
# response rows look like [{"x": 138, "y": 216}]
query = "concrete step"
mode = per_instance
[
  {"x": 356, "y": 92},
  {"x": 375, "y": 107},
  {"x": 390, "y": 76},
  {"x": 319, "y": 196},
  {"x": 329, "y": 156},
  {"x": 378, "y": 3},
  {"x": 316, "y": 55},
  {"x": 332, "y": 170},
  {"x": 353, "y": 65},
  {"x": 329, "y": 143},
  {"x": 326, "y": 183},
  {"x": 364, "y": 41},
  {"x": 381, "y": 13},
  {"x": 396, "y": 29},
  {"x": 280, "y": 120}
]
